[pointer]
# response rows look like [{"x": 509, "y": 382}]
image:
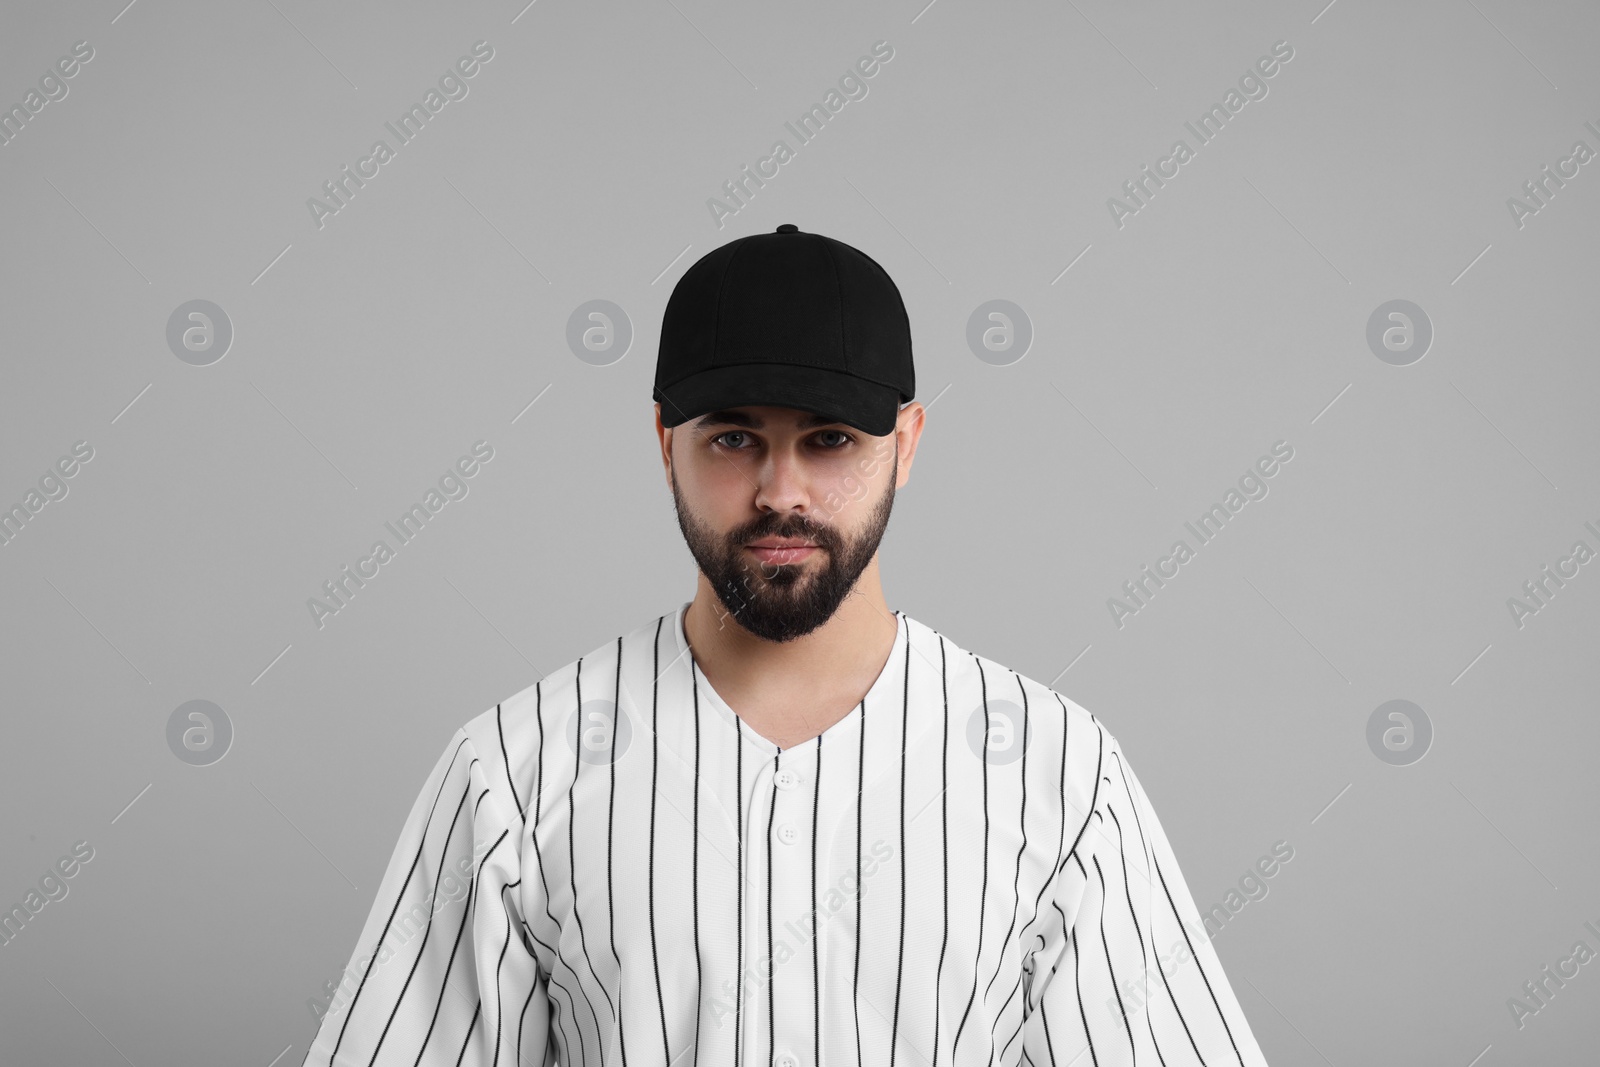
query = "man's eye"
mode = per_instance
[{"x": 736, "y": 440}]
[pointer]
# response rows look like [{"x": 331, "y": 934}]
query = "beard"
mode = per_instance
[{"x": 782, "y": 601}]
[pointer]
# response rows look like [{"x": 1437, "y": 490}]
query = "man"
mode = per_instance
[{"x": 784, "y": 825}]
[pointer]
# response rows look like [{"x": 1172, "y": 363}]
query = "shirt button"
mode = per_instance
[
  {"x": 787, "y": 1060},
  {"x": 788, "y": 834},
  {"x": 786, "y": 779}
]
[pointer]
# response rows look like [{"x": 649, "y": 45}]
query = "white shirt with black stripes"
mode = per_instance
[{"x": 611, "y": 868}]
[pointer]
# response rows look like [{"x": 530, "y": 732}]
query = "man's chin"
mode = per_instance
[
  {"x": 780, "y": 573},
  {"x": 780, "y": 622},
  {"x": 780, "y": 586}
]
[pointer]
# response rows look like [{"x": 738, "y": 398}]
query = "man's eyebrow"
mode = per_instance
[{"x": 750, "y": 422}]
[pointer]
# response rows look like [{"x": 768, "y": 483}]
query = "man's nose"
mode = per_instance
[{"x": 782, "y": 482}]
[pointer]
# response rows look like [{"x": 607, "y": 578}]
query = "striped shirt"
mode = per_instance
[{"x": 610, "y": 867}]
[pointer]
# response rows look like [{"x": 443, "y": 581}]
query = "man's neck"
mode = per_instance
[{"x": 793, "y": 690}]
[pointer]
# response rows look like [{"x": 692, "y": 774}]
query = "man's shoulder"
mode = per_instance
[
  {"x": 584, "y": 679},
  {"x": 996, "y": 681},
  {"x": 1014, "y": 720}
]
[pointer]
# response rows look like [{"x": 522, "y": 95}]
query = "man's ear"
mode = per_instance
[
  {"x": 664, "y": 435},
  {"x": 908, "y": 432}
]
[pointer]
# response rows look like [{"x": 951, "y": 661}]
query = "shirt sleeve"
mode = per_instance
[
  {"x": 1124, "y": 972},
  {"x": 444, "y": 972}
]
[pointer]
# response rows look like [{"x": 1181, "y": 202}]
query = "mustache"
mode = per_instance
[{"x": 772, "y": 527}]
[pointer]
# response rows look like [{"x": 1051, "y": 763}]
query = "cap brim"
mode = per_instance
[{"x": 867, "y": 406}]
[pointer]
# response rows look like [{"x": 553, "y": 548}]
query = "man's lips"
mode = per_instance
[{"x": 780, "y": 550}]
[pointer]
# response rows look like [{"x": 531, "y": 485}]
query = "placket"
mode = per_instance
[{"x": 783, "y": 798}]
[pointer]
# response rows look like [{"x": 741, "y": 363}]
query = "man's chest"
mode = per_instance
[{"x": 836, "y": 860}]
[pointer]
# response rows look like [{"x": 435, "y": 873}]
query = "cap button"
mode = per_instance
[{"x": 788, "y": 227}]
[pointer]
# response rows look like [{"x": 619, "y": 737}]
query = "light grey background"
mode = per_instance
[{"x": 1228, "y": 314}]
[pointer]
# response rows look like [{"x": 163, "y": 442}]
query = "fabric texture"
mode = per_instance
[{"x": 610, "y": 867}]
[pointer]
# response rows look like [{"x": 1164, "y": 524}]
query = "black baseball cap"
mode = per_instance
[{"x": 788, "y": 319}]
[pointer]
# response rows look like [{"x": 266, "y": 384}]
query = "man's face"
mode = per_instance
[{"x": 747, "y": 478}]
